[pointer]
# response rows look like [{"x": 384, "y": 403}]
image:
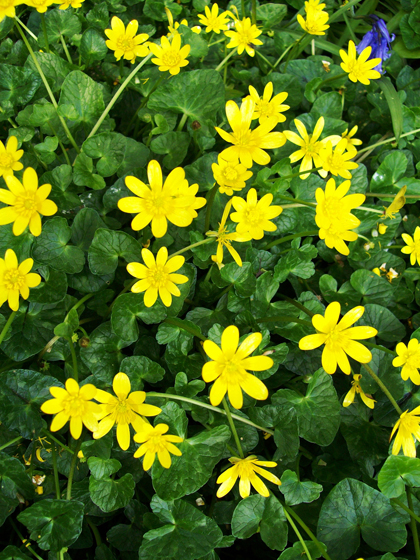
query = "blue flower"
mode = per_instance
[{"x": 379, "y": 39}]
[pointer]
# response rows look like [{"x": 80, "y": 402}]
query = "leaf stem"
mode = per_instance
[
  {"x": 405, "y": 508},
  {"x": 379, "y": 347},
  {"x": 44, "y": 30},
  {"x": 24, "y": 541},
  {"x": 298, "y": 305},
  {"x": 61, "y": 444},
  {"x": 299, "y": 536},
  {"x": 369, "y": 210},
  {"x": 284, "y": 319},
  {"x": 11, "y": 442},
  {"x": 413, "y": 524},
  {"x": 27, "y": 29},
  {"x": 210, "y": 201},
  {"x": 182, "y": 122},
  {"x": 7, "y": 325},
  {"x": 373, "y": 146},
  {"x": 290, "y": 238},
  {"x": 118, "y": 93},
  {"x": 384, "y": 389},
  {"x": 185, "y": 249},
  {"x": 233, "y": 429},
  {"x": 74, "y": 359},
  {"x": 304, "y": 202},
  {"x": 95, "y": 531},
  {"x": 308, "y": 531},
  {"x": 66, "y": 50},
  {"x": 56, "y": 481},
  {"x": 72, "y": 468},
  {"x": 330, "y": 79},
  {"x": 232, "y": 52},
  {"x": 254, "y": 12},
  {"x": 174, "y": 321}
]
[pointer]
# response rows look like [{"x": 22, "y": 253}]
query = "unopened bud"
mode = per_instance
[{"x": 84, "y": 342}]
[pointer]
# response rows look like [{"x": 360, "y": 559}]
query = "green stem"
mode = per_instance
[
  {"x": 118, "y": 93},
  {"x": 95, "y": 531},
  {"x": 383, "y": 195},
  {"x": 178, "y": 323},
  {"x": 182, "y": 122},
  {"x": 299, "y": 536},
  {"x": 395, "y": 246},
  {"x": 342, "y": 10},
  {"x": 298, "y": 305},
  {"x": 81, "y": 301},
  {"x": 254, "y": 13},
  {"x": 413, "y": 524},
  {"x": 330, "y": 79},
  {"x": 374, "y": 210},
  {"x": 66, "y": 50},
  {"x": 379, "y": 347},
  {"x": 217, "y": 42},
  {"x": 405, "y": 508},
  {"x": 393, "y": 139},
  {"x": 280, "y": 58},
  {"x": 74, "y": 359},
  {"x": 11, "y": 442},
  {"x": 300, "y": 201},
  {"x": 264, "y": 59},
  {"x": 243, "y": 8},
  {"x": 209, "y": 407},
  {"x": 233, "y": 429},
  {"x": 24, "y": 541},
  {"x": 308, "y": 532},
  {"x": 61, "y": 444},
  {"x": 72, "y": 468},
  {"x": 56, "y": 481},
  {"x": 44, "y": 30},
  {"x": 283, "y": 319},
  {"x": 210, "y": 206},
  {"x": 290, "y": 238},
  {"x": 185, "y": 249},
  {"x": 350, "y": 28},
  {"x": 47, "y": 87},
  {"x": 7, "y": 325},
  {"x": 384, "y": 388},
  {"x": 232, "y": 52},
  {"x": 26, "y": 29}
]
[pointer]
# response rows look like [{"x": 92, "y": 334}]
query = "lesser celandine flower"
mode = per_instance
[
  {"x": 348, "y": 135},
  {"x": 396, "y": 204},
  {"x": 249, "y": 145},
  {"x": 266, "y": 107},
  {"x": 230, "y": 175},
  {"x": 213, "y": 21},
  {"x": 160, "y": 202},
  {"x": 337, "y": 160},
  {"x": 224, "y": 239},
  {"x": 7, "y": 8},
  {"x": 155, "y": 442},
  {"x": 406, "y": 427},
  {"x": 333, "y": 215},
  {"x": 73, "y": 3},
  {"x": 173, "y": 26},
  {"x": 315, "y": 22},
  {"x": 314, "y": 5},
  {"x": 309, "y": 146},
  {"x": 356, "y": 389},
  {"x": 124, "y": 41},
  {"x": 9, "y": 157},
  {"x": 412, "y": 245},
  {"x": 74, "y": 404},
  {"x": 26, "y": 203},
  {"x": 16, "y": 279},
  {"x": 359, "y": 69},
  {"x": 253, "y": 216},
  {"x": 339, "y": 338},
  {"x": 244, "y": 36},
  {"x": 169, "y": 55},
  {"x": 41, "y": 6},
  {"x": 409, "y": 358},
  {"x": 229, "y": 365},
  {"x": 157, "y": 277},
  {"x": 124, "y": 409},
  {"x": 247, "y": 470}
]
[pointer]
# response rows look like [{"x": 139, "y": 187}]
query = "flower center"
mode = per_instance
[
  {"x": 265, "y": 108},
  {"x": 171, "y": 58},
  {"x": 243, "y": 138},
  {"x": 13, "y": 280},
  {"x": 26, "y": 205},
  {"x": 311, "y": 147},
  {"x": 6, "y": 159},
  {"x": 253, "y": 216},
  {"x": 232, "y": 371},
  {"x": 125, "y": 43},
  {"x": 123, "y": 413},
  {"x": 74, "y": 406},
  {"x": 230, "y": 174},
  {"x": 245, "y": 470},
  {"x": 156, "y": 444},
  {"x": 245, "y": 37},
  {"x": 356, "y": 69},
  {"x": 335, "y": 339},
  {"x": 158, "y": 204},
  {"x": 158, "y": 276},
  {"x": 332, "y": 208}
]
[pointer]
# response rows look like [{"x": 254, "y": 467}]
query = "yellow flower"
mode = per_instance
[
  {"x": 73, "y": 3},
  {"x": 334, "y": 207},
  {"x": 254, "y": 216},
  {"x": 124, "y": 42},
  {"x": 157, "y": 276},
  {"x": 359, "y": 69},
  {"x": 246, "y": 469},
  {"x": 315, "y": 22},
  {"x": 16, "y": 279},
  {"x": 229, "y": 366},
  {"x": 9, "y": 157},
  {"x": 230, "y": 175},
  {"x": 213, "y": 20},
  {"x": 7, "y": 8},
  {"x": 310, "y": 146},
  {"x": 264, "y": 108},
  {"x": 351, "y": 142},
  {"x": 40, "y": 5},
  {"x": 314, "y": 5},
  {"x": 244, "y": 36},
  {"x": 376, "y": 271},
  {"x": 395, "y": 205},
  {"x": 124, "y": 409},
  {"x": 409, "y": 358},
  {"x": 173, "y": 27},
  {"x": 336, "y": 161},
  {"x": 26, "y": 203},
  {"x": 407, "y": 426},
  {"x": 356, "y": 389},
  {"x": 382, "y": 229},
  {"x": 413, "y": 245},
  {"x": 339, "y": 338},
  {"x": 224, "y": 239},
  {"x": 248, "y": 145},
  {"x": 175, "y": 201},
  {"x": 170, "y": 56},
  {"x": 74, "y": 404},
  {"x": 154, "y": 441}
]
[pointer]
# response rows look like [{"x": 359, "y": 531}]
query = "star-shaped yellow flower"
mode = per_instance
[
  {"x": 213, "y": 21},
  {"x": 224, "y": 239},
  {"x": 155, "y": 442},
  {"x": 359, "y": 69},
  {"x": 244, "y": 36},
  {"x": 356, "y": 389},
  {"x": 170, "y": 56},
  {"x": 124, "y": 42},
  {"x": 230, "y": 175},
  {"x": 266, "y": 107},
  {"x": 9, "y": 157},
  {"x": 41, "y": 6},
  {"x": 253, "y": 216},
  {"x": 315, "y": 22},
  {"x": 16, "y": 279},
  {"x": 409, "y": 358},
  {"x": 413, "y": 246},
  {"x": 73, "y": 3},
  {"x": 407, "y": 427},
  {"x": 337, "y": 161},
  {"x": 247, "y": 470}
]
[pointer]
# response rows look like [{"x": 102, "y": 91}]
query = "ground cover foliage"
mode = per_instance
[{"x": 123, "y": 393}]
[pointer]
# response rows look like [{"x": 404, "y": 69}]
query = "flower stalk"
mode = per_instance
[{"x": 232, "y": 427}]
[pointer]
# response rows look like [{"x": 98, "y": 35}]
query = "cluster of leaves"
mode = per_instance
[{"x": 342, "y": 494}]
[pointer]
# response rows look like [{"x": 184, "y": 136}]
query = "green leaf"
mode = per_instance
[
  {"x": 296, "y": 492},
  {"x": 83, "y": 173},
  {"x": 103, "y": 468},
  {"x": 266, "y": 515},
  {"x": 14, "y": 483},
  {"x": 53, "y": 524},
  {"x": 107, "y": 246},
  {"x": 373, "y": 288},
  {"x": 92, "y": 46},
  {"x": 17, "y": 85},
  {"x": 174, "y": 145},
  {"x": 110, "y": 495},
  {"x": 186, "y": 533},
  {"x": 242, "y": 277},
  {"x": 297, "y": 552},
  {"x": 69, "y": 325},
  {"x": 297, "y": 262},
  {"x": 127, "y": 308},
  {"x": 388, "y": 326},
  {"x": 22, "y": 392},
  {"x": 84, "y": 226},
  {"x": 353, "y": 508},
  {"x": 271, "y": 14},
  {"x": 21, "y": 244},
  {"x": 347, "y": 296},
  {"x": 55, "y": 69},
  {"x": 12, "y": 552},
  {"x": 318, "y": 412},
  {"x": 192, "y": 470},
  {"x": 140, "y": 369},
  {"x": 397, "y": 473},
  {"x": 61, "y": 22},
  {"x": 52, "y": 249},
  {"x": 52, "y": 289},
  {"x": 389, "y": 172}
]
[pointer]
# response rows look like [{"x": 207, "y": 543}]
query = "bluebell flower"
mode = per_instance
[{"x": 379, "y": 39}]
